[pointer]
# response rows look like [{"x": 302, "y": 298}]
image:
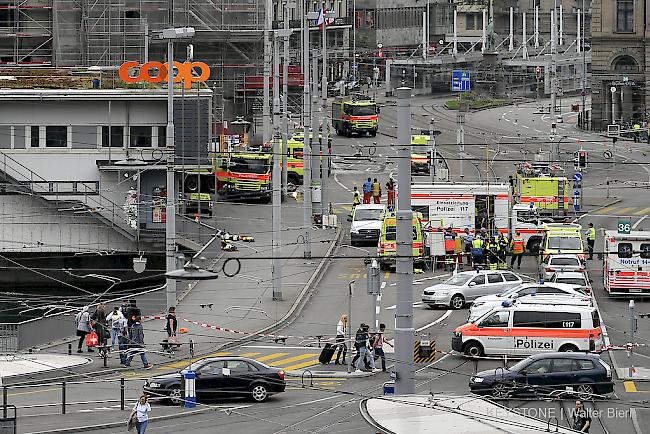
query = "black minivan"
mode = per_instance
[{"x": 578, "y": 374}]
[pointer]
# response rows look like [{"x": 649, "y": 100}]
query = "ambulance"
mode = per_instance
[
  {"x": 562, "y": 238},
  {"x": 522, "y": 329},
  {"x": 626, "y": 267},
  {"x": 387, "y": 246}
]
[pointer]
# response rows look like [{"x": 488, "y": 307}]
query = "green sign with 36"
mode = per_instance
[{"x": 624, "y": 226}]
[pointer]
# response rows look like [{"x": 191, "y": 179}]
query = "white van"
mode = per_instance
[
  {"x": 366, "y": 223},
  {"x": 523, "y": 329}
]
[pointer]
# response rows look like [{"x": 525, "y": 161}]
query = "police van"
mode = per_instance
[{"x": 523, "y": 329}]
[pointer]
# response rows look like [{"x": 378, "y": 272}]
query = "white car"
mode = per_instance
[
  {"x": 561, "y": 262},
  {"x": 484, "y": 304},
  {"x": 572, "y": 278},
  {"x": 366, "y": 223}
]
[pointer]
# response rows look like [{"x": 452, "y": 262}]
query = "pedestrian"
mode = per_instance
[
  {"x": 356, "y": 200},
  {"x": 341, "y": 332},
  {"x": 114, "y": 320},
  {"x": 517, "y": 249},
  {"x": 367, "y": 188},
  {"x": 101, "y": 325},
  {"x": 581, "y": 418},
  {"x": 82, "y": 320},
  {"x": 477, "y": 251},
  {"x": 123, "y": 340},
  {"x": 132, "y": 312},
  {"x": 142, "y": 410},
  {"x": 492, "y": 251},
  {"x": 591, "y": 240},
  {"x": 390, "y": 188},
  {"x": 171, "y": 325},
  {"x": 450, "y": 248},
  {"x": 363, "y": 348},
  {"x": 504, "y": 245},
  {"x": 136, "y": 343},
  {"x": 378, "y": 345},
  {"x": 376, "y": 191},
  {"x": 468, "y": 239},
  {"x": 358, "y": 339}
]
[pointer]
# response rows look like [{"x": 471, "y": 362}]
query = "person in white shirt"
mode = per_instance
[
  {"x": 114, "y": 320},
  {"x": 341, "y": 331},
  {"x": 142, "y": 409}
]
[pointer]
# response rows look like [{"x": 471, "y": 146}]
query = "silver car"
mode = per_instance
[
  {"x": 560, "y": 262},
  {"x": 467, "y": 286}
]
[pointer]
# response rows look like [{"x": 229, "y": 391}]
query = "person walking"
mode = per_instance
[
  {"x": 341, "y": 332},
  {"x": 517, "y": 250},
  {"x": 114, "y": 320},
  {"x": 376, "y": 191},
  {"x": 101, "y": 325},
  {"x": 142, "y": 410},
  {"x": 367, "y": 188},
  {"x": 358, "y": 340},
  {"x": 82, "y": 319},
  {"x": 171, "y": 325},
  {"x": 378, "y": 345},
  {"x": 136, "y": 343},
  {"x": 356, "y": 199},
  {"x": 591, "y": 240},
  {"x": 390, "y": 188},
  {"x": 581, "y": 418},
  {"x": 363, "y": 348},
  {"x": 132, "y": 312},
  {"x": 504, "y": 245},
  {"x": 468, "y": 239},
  {"x": 123, "y": 340}
]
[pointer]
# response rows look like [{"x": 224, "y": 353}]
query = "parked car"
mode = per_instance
[
  {"x": 366, "y": 223},
  {"x": 484, "y": 304},
  {"x": 577, "y": 278},
  {"x": 221, "y": 377},
  {"x": 579, "y": 374},
  {"x": 555, "y": 263},
  {"x": 467, "y": 286}
]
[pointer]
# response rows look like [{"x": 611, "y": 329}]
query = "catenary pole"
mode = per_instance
[
  {"x": 276, "y": 270},
  {"x": 285, "y": 97},
  {"x": 266, "y": 102},
  {"x": 405, "y": 371},
  {"x": 306, "y": 108},
  {"x": 170, "y": 208}
]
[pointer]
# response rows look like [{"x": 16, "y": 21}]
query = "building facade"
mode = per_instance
[{"x": 620, "y": 54}]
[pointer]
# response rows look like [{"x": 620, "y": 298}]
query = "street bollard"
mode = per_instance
[
  {"x": 69, "y": 349},
  {"x": 122, "y": 394},
  {"x": 63, "y": 397},
  {"x": 190, "y": 389}
]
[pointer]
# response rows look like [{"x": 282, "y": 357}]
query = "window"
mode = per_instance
[
  {"x": 625, "y": 64},
  {"x": 563, "y": 320},
  {"x": 528, "y": 319},
  {"x": 562, "y": 365},
  {"x": 116, "y": 139},
  {"x": 497, "y": 319},
  {"x": 645, "y": 251},
  {"x": 7, "y": 17},
  {"x": 510, "y": 277},
  {"x": 595, "y": 319},
  {"x": 132, "y": 14},
  {"x": 213, "y": 368},
  {"x": 56, "y": 137},
  {"x": 625, "y": 250},
  {"x": 527, "y": 291},
  {"x": 391, "y": 233},
  {"x": 564, "y": 243},
  {"x": 539, "y": 367},
  {"x": 424, "y": 209},
  {"x": 624, "y": 15},
  {"x": 237, "y": 366},
  {"x": 494, "y": 278},
  {"x": 584, "y": 365},
  {"x": 140, "y": 137},
  {"x": 565, "y": 261},
  {"x": 473, "y": 21},
  {"x": 35, "y": 137},
  {"x": 162, "y": 137},
  {"x": 479, "y": 280},
  {"x": 549, "y": 290}
]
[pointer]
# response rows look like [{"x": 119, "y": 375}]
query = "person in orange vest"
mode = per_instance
[
  {"x": 517, "y": 250},
  {"x": 450, "y": 247},
  {"x": 390, "y": 187},
  {"x": 376, "y": 191}
]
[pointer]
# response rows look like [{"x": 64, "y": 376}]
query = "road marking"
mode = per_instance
[
  {"x": 643, "y": 211},
  {"x": 293, "y": 359},
  {"x": 248, "y": 354},
  {"x": 416, "y": 304},
  {"x": 433, "y": 363},
  {"x": 416, "y": 281},
  {"x": 436, "y": 321},
  {"x": 184, "y": 363},
  {"x": 336, "y": 179},
  {"x": 630, "y": 386},
  {"x": 624, "y": 210},
  {"x": 525, "y": 126},
  {"x": 306, "y": 364},
  {"x": 272, "y": 347},
  {"x": 386, "y": 274},
  {"x": 271, "y": 357},
  {"x": 606, "y": 210},
  {"x": 639, "y": 221}
]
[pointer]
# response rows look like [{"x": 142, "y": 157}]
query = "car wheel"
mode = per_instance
[
  {"x": 500, "y": 391},
  {"x": 585, "y": 391},
  {"x": 175, "y": 395},
  {"x": 473, "y": 349},
  {"x": 457, "y": 302},
  {"x": 259, "y": 392},
  {"x": 568, "y": 348}
]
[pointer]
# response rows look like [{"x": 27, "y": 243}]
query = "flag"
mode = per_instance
[{"x": 321, "y": 18}]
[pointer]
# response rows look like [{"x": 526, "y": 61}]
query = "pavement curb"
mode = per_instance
[
  {"x": 123, "y": 423},
  {"x": 328, "y": 374}
]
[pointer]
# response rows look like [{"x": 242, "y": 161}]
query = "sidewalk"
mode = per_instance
[{"x": 23, "y": 364}]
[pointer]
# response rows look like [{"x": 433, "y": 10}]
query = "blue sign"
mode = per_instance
[
  {"x": 576, "y": 207},
  {"x": 576, "y": 193},
  {"x": 577, "y": 177},
  {"x": 460, "y": 81}
]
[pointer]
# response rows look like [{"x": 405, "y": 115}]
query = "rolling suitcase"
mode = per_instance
[{"x": 327, "y": 354}]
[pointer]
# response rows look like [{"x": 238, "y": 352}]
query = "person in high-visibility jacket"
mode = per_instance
[
  {"x": 591, "y": 240},
  {"x": 477, "y": 251},
  {"x": 502, "y": 240},
  {"x": 468, "y": 238},
  {"x": 517, "y": 250},
  {"x": 492, "y": 250},
  {"x": 356, "y": 199}
]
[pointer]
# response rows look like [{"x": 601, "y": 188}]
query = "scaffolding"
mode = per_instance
[{"x": 26, "y": 32}]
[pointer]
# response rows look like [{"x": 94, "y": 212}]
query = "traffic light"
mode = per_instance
[{"x": 582, "y": 159}]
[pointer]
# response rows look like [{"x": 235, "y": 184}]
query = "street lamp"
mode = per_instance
[{"x": 171, "y": 35}]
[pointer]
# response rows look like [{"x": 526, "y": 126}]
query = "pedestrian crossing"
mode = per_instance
[{"x": 622, "y": 211}]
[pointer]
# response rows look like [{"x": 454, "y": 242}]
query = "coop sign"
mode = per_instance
[{"x": 156, "y": 72}]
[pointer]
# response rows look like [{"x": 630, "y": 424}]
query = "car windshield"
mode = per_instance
[
  {"x": 391, "y": 234},
  {"x": 367, "y": 214},
  {"x": 364, "y": 110},
  {"x": 564, "y": 243},
  {"x": 458, "y": 280},
  {"x": 193, "y": 367},
  {"x": 248, "y": 165},
  {"x": 519, "y": 365},
  {"x": 565, "y": 261},
  {"x": 571, "y": 281},
  {"x": 510, "y": 291}
]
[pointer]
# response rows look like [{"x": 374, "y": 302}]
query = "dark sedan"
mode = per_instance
[
  {"x": 220, "y": 377},
  {"x": 579, "y": 374}
]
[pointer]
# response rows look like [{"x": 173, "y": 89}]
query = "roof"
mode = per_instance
[
  {"x": 370, "y": 206},
  {"x": 633, "y": 235},
  {"x": 93, "y": 94},
  {"x": 564, "y": 355}
]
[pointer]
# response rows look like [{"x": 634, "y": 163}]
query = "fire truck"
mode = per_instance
[
  {"x": 244, "y": 175},
  {"x": 355, "y": 114},
  {"x": 626, "y": 267},
  {"x": 539, "y": 185}
]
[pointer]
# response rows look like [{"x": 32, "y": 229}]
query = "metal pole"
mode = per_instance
[
  {"x": 374, "y": 288},
  {"x": 315, "y": 132},
  {"x": 122, "y": 394},
  {"x": 536, "y": 26},
  {"x": 63, "y": 397},
  {"x": 170, "y": 208},
  {"x": 404, "y": 369},
  {"x": 483, "y": 36},
  {"x": 561, "y": 39},
  {"x": 432, "y": 150},
  {"x": 583, "y": 92},
  {"x": 110, "y": 133},
  {"x": 306, "y": 108},
  {"x": 4, "y": 401},
  {"x": 632, "y": 330},
  {"x": 455, "y": 38},
  {"x": 349, "y": 339},
  {"x": 285, "y": 99},
  {"x": 424, "y": 34},
  {"x": 266, "y": 102},
  {"x": 276, "y": 271},
  {"x": 553, "y": 79},
  {"x": 512, "y": 18},
  {"x": 324, "y": 117},
  {"x": 354, "y": 40}
]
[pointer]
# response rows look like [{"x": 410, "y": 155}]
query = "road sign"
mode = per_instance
[
  {"x": 623, "y": 226},
  {"x": 576, "y": 193},
  {"x": 460, "y": 81},
  {"x": 612, "y": 89},
  {"x": 577, "y": 177}
]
